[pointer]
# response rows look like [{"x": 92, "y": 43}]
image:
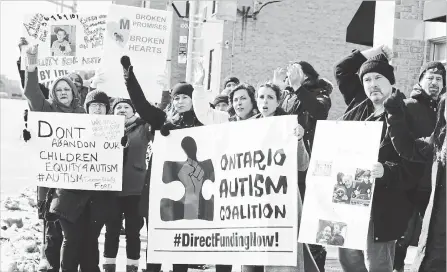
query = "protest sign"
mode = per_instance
[
  {"x": 232, "y": 198},
  {"x": 143, "y": 35},
  {"x": 46, "y": 77},
  {"x": 339, "y": 187},
  {"x": 76, "y": 151},
  {"x": 66, "y": 41}
]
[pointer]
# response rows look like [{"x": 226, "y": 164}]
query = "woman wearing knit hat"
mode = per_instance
[
  {"x": 97, "y": 102},
  {"x": 182, "y": 116},
  {"x": 136, "y": 138},
  {"x": 71, "y": 210},
  {"x": 220, "y": 103}
]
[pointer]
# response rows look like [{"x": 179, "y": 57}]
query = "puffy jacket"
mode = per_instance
[{"x": 391, "y": 206}]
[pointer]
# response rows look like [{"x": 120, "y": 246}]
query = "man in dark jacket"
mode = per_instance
[
  {"x": 421, "y": 110},
  {"x": 365, "y": 93}
]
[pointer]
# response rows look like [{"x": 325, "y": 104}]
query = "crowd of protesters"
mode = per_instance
[{"x": 410, "y": 172}]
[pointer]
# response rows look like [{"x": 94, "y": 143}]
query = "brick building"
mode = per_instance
[{"x": 268, "y": 34}]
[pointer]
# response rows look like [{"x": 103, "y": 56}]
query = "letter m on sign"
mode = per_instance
[{"x": 124, "y": 24}]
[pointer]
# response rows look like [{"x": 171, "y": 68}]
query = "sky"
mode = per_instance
[{"x": 12, "y": 13}]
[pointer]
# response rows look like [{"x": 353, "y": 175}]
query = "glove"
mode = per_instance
[
  {"x": 124, "y": 141},
  {"x": 125, "y": 62},
  {"x": 395, "y": 103},
  {"x": 165, "y": 129},
  {"x": 26, "y": 135}
]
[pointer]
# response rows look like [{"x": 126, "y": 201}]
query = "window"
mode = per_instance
[
  {"x": 438, "y": 50},
  {"x": 210, "y": 68}
]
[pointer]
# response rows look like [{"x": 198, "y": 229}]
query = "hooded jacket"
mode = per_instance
[
  {"x": 391, "y": 205},
  {"x": 311, "y": 102}
]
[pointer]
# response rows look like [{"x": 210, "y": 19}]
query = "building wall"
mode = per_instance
[{"x": 309, "y": 30}]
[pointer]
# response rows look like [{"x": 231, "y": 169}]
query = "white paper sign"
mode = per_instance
[
  {"x": 339, "y": 188},
  {"x": 143, "y": 35},
  {"x": 76, "y": 151},
  {"x": 228, "y": 199},
  {"x": 66, "y": 41}
]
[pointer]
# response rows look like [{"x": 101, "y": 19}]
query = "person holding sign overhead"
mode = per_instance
[{"x": 80, "y": 213}]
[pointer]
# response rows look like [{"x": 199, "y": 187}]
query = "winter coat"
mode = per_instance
[
  {"x": 134, "y": 169},
  {"x": 43, "y": 89},
  {"x": 431, "y": 252},
  {"x": 421, "y": 119},
  {"x": 311, "y": 102},
  {"x": 391, "y": 205}
]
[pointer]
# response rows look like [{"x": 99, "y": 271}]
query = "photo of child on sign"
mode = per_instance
[
  {"x": 63, "y": 40},
  {"x": 331, "y": 233},
  {"x": 363, "y": 188}
]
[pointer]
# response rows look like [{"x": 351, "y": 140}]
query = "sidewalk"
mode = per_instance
[{"x": 332, "y": 264}]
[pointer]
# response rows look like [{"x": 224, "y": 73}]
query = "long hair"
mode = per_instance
[
  {"x": 251, "y": 93},
  {"x": 438, "y": 136}
]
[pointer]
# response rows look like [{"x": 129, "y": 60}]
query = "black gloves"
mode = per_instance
[{"x": 395, "y": 103}]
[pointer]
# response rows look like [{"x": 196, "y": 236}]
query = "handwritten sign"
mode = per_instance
[
  {"x": 235, "y": 202},
  {"x": 66, "y": 41},
  {"x": 143, "y": 35},
  {"x": 76, "y": 151},
  {"x": 339, "y": 187}
]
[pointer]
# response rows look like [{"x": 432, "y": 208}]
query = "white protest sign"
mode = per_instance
[
  {"x": 66, "y": 41},
  {"x": 339, "y": 188},
  {"x": 143, "y": 35},
  {"x": 76, "y": 151},
  {"x": 46, "y": 77},
  {"x": 231, "y": 198}
]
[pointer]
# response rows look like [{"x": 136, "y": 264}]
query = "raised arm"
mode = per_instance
[
  {"x": 150, "y": 113},
  {"x": 203, "y": 111},
  {"x": 416, "y": 150}
]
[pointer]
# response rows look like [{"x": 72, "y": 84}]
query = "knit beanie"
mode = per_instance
[
  {"x": 118, "y": 100},
  {"x": 378, "y": 64},
  {"x": 437, "y": 66},
  {"x": 235, "y": 80},
  {"x": 219, "y": 99},
  {"x": 182, "y": 88},
  {"x": 97, "y": 96}
]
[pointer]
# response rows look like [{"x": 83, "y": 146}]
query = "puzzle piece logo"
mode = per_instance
[{"x": 192, "y": 174}]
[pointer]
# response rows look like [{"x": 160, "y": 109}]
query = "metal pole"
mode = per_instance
[{"x": 195, "y": 40}]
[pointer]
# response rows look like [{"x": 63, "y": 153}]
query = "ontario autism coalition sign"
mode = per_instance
[{"x": 235, "y": 202}]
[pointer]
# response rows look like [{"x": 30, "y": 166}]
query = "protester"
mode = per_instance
[
  {"x": 220, "y": 103},
  {"x": 391, "y": 207},
  {"x": 230, "y": 84},
  {"x": 307, "y": 96},
  {"x": 182, "y": 116},
  {"x": 79, "y": 82},
  {"x": 421, "y": 109},
  {"x": 431, "y": 253},
  {"x": 242, "y": 106},
  {"x": 81, "y": 214},
  {"x": 52, "y": 232},
  {"x": 136, "y": 137}
]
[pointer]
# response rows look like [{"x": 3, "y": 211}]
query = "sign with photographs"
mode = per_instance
[
  {"x": 339, "y": 187},
  {"x": 66, "y": 41}
]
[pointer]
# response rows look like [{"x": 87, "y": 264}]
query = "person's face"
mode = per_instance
[
  {"x": 347, "y": 180},
  {"x": 182, "y": 103},
  {"x": 229, "y": 87},
  {"x": 97, "y": 108},
  {"x": 77, "y": 82},
  {"x": 222, "y": 106},
  {"x": 327, "y": 233},
  {"x": 377, "y": 87},
  {"x": 64, "y": 93},
  {"x": 432, "y": 84},
  {"x": 242, "y": 103},
  {"x": 337, "y": 229},
  {"x": 123, "y": 109},
  {"x": 267, "y": 101},
  {"x": 60, "y": 35}
]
